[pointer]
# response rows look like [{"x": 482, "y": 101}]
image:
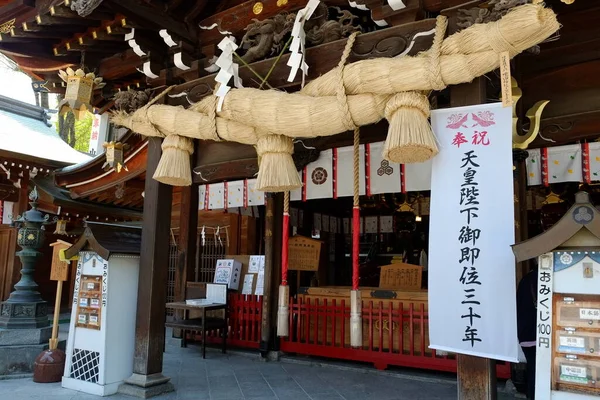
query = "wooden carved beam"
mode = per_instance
[
  {"x": 321, "y": 59},
  {"x": 383, "y": 14},
  {"x": 66, "y": 12},
  {"x": 237, "y": 18},
  {"x": 152, "y": 17}
]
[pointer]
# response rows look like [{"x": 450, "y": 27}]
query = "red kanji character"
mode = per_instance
[
  {"x": 459, "y": 139},
  {"x": 96, "y": 122},
  {"x": 480, "y": 138}
]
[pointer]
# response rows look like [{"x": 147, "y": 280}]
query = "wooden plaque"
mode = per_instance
[
  {"x": 60, "y": 269},
  {"x": 304, "y": 254},
  {"x": 400, "y": 276}
]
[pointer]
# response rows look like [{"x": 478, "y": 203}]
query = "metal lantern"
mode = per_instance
[
  {"x": 79, "y": 91},
  {"x": 25, "y": 307},
  {"x": 115, "y": 155},
  {"x": 61, "y": 227}
]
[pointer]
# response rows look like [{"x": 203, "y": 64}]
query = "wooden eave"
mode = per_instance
[
  {"x": 61, "y": 198},
  {"x": 89, "y": 178},
  {"x": 107, "y": 239},
  {"x": 560, "y": 232}
]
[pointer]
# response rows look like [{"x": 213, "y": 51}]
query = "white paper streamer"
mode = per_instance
[
  {"x": 296, "y": 60},
  {"x": 148, "y": 71},
  {"x": 203, "y": 235},
  {"x": 213, "y": 26},
  {"x": 179, "y": 62},
  {"x": 414, "y": 39},
  {"x": 396, "y": 4},
  {"x": 227, "y": 69},
  {"x": 167, "y": 38},
  {"x": 358, "y": 6}
]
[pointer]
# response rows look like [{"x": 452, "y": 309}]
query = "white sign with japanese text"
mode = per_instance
[{"x": 472, "y": 299}]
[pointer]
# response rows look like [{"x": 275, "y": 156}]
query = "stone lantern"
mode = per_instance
[{"x": 25, "y": 308}]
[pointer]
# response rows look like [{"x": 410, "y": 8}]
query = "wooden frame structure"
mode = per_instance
[{"x": 47, "y": 35}]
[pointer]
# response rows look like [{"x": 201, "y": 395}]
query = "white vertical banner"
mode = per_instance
[
  {"x": 534, "y": 167},
  {"x": 344, "y": 186},
  {"x": 417, "y": 176},
  {"x": 319, "y": 177},
  {"x": 383, "y": 176},
  {"x": 472, "y": 296}
]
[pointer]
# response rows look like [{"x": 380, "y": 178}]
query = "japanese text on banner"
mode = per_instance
[{"x": 471, "y": 265}]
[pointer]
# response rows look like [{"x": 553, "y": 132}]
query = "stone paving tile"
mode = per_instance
[{"x": 235, "y": 377}]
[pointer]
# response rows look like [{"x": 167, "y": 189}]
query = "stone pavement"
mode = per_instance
[{"x": 235, "y": 376}]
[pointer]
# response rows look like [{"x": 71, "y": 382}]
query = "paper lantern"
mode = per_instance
[
  {"x": 115, "y": 155},
  {"x": 61, "y": 227},
  {"x": 79, "y": 91}
]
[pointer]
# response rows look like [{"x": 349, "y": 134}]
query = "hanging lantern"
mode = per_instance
[
  {"x": 61, "y": 227},
  {"x": 79, "y": 91},
  {"x": 115, "y": 155}
]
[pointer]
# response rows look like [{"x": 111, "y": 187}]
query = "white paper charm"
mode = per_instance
[
  {"x": 296, "y": 60},
  {"x": 227, "y": 69}
]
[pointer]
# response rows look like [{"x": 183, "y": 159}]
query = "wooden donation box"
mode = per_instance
[
  {"x": 102, "y": 331},
  {"x": 568, "y": 305}
]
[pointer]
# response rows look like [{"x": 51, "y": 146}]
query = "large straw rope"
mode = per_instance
[{"x": 316, "y": 110}]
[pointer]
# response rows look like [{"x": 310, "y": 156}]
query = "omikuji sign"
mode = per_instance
[{"x": 472, "y": 306}]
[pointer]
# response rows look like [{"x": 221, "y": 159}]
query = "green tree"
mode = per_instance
[{"x": 75, "y": 133}]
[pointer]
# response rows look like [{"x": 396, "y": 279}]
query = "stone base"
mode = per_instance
[
  {"x": 146, "y": 386},
  {"x": 20, "y": 359},
  {"x": 24, "y": 315},
  {"x": 16, "y": 337}
]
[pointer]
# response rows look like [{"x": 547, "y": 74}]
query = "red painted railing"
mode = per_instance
[
  {"x": 245, "y": 315},
  {"x": 392, "y": 334}
]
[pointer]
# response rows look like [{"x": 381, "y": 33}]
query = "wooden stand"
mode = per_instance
[{"x": 50, "y": 364}]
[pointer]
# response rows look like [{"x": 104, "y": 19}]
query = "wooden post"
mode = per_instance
[
  {"x": 147, "y": 379},
  {"x": 476, "y": 376},
  {"x": 59, "y": 272},
  {"x": 186, "y": 246},
  {"x": 13, "y": 271},
  {"x": 265, "y": 332},
  {"x": 520, "y": 190}
]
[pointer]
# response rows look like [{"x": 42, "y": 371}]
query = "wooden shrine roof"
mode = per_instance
[
  {"x": 582, "y": 215},
  {"x": 60, "y": 197},
  {"x": 25, "y": 130},
  {"x": 108, "y": 239}
]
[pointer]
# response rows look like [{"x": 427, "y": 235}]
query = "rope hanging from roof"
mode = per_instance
[
  {"x": 84, "y": 7},
  {"x": 374, "y": 89}
]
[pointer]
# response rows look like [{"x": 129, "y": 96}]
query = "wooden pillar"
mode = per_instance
[
  {"x": 520, "y": 190},
  {"x": 268, "y": 295},
  {"x": 13, "y": 269},
  {"x": 476, "y": 376},
  {"x": 147, "y": 379},
  {"x": 186, "y": 243}
]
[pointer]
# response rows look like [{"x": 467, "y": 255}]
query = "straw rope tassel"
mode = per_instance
[
  {"x": 283, "y": 312},
  {"x": 375, "y": 87},
  {"x": 410, "y": 138}
]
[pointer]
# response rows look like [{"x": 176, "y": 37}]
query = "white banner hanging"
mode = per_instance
[
  {"x": 472, "y": 305},
  {"x": 383, "y": 176},
  {"x": 319, "y": 177},
  {"x": 255, "y": 197},
  {"x": 417, "y": 177},
  {"x": 565, "y": 164},
  {"x": 216, "y": 196},
  {"x": 235, "y": 194},
  {"x": 344, "y": 184}
]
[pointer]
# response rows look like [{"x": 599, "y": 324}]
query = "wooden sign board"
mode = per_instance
[
  {"x": 400, "y": 276},
  {"x": 304, "y": 254},
  {"x": 60, "y": 269}
]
